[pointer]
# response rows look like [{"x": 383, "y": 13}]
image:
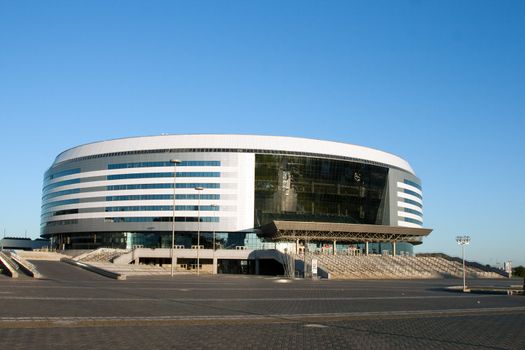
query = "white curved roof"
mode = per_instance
[{"x": 277, "y": 143}]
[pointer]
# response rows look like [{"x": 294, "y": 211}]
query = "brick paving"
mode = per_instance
[{"x": 74, "y": 309}]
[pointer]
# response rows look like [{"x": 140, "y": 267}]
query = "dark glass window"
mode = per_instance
[
  {"x": 164, "y": 208},
  {"x": 411, "y": 211},
  {"x": 162, "y": 196},
  {"x": 150, "y": 186},
  {"x": 316, "y": 189},
  {"x": 414, "y": 221},
  {"x": 167, "y": 164},
  {"x": 413, "y": 193},
  {"x": 49, "y": 176},
  {"x": 57, "y": 203},
  {"x": 152, "y": 175},
  {"x": 60, "y": 183},
  {"x": 406, "y": 200},
  {"x": 60, "y": 193},
  {"x": 165, "y": 219},
  {"x": 412, "y": 183}
]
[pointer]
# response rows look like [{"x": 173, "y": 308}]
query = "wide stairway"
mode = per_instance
[
  {"x": 103, "y": 255},
  {"x": 397, "y": 267}
]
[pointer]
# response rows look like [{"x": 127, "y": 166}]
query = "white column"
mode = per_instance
[{"x": 214, "y": 271}]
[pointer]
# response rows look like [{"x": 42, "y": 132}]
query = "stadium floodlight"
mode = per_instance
[
  {"x": 174, "y": 162},
  {"x": 463, "y": 241}
]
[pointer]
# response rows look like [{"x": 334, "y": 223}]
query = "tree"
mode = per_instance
[{"x": 519, "y": 271}]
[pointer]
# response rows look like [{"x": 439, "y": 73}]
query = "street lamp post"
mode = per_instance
[
  {"x": 463, "y": 241},
  {"x": 198, "y": 189},
  {"x": 174, "y": 162},
  {"x": 214, "y": 207}
]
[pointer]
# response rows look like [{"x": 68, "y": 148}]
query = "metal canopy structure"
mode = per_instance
[{"x": 351, "y": 233}]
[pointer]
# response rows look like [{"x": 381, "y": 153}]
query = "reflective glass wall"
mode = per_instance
[{"x": 308, "y": 189}]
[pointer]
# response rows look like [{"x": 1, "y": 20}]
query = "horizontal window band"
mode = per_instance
[
  {"x": 163, "y": 197},
  {"x": 47, "y": 188},
  {"x": 415, "y": 194},
  {"x": 167, "y": 185},
  {"x": 57, "y": 203},
  {"x": 60, "y": 193},
  {"x": 411, "y": 211},
  {"x": 165, "y": 208},
  {"x": 412, "y": 183},
  {"x": 133, "y": 219},
  {"x": 406, "y": 200},
  {"x": 60, "y": 184},
  {"x": 167, "y": 174},
  {"x": 167, "y": 164},
  {"x": 414, "y": 221},
  {"x": 48, "y": 177},
  {"x": 154, "y": 186},
  {"x": 165, "y": 219}
]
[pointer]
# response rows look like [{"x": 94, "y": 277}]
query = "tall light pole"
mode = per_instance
[
  {"x": 198, "y": 189},
  {"x": 214, "y": 207},
  {"x": 463, "y": 241},
  {"x": 174, "y": 162}
]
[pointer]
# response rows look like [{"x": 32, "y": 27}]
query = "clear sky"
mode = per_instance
[{"x": 439, "y": 83}]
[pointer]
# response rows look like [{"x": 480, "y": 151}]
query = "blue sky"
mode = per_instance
[{"x": 439, "y": 83}]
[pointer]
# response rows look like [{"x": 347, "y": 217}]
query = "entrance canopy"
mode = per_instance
[{"x": 342, "y": 232}]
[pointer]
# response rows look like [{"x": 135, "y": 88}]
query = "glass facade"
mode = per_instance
[{"x": 316, "y": 189}]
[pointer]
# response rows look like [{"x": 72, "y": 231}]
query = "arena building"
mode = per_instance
[{"x": 232, "y": 191}]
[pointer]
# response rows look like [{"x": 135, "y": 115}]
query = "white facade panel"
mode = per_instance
[
  {"x": 409, "y": 206},
  {"x": 409, "y": 196},
  {"x": 407, "y": 224},
  {"x": 409, "y": 187},
  {"x": 248, "y": 142}
]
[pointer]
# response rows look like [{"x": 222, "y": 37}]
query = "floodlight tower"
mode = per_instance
[{"x": 463, "y": 241}]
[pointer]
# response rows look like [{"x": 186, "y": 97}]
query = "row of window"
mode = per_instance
[
  {"x": 168, "y": 163},
  {"x": 139, "y": 198},
  {"x": 412, "y": 183},
  {"x": 60, "y": 183},
  {"x": 411, "y": 211},
  {"x": 414, "y": 221},
  {"x": 413, "y": 193},
  {"x": 410, "y": 201},
  {"x": 165, "y": 208},
  {"x": 48, "y": 177},
  {"x": 58, "y": 223},
  {"x": 165, "y": 219},
  {"x": 58, "y": 213},
  {"x": 140, "y": 186},
  {"x": 60, "y": 193},
  {"x": 64, "y": 202},
  {"x": 151, "y": 186},
  {"x": 162, "y": 196},
  {"x": 155, "y": 175}
]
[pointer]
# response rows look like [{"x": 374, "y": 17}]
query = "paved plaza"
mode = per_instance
[{"x": 76, "y": 309}]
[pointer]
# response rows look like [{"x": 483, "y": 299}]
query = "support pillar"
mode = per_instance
[
  {"x": 366, "y": 248},
  {"x": 335, "y": 249},
  {"x": 214, "y": 268},
  {"x": 257, "y": 267},
  {"x": 394, "y": 248}
]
